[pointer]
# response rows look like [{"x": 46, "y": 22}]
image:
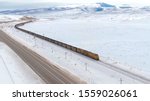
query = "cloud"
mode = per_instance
[{"x": 118, "y": 2}]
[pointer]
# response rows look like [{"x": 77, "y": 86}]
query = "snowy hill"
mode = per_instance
[
  {"x": 75, "y": 9},
  {"x": 105, "y": 5},
  {"x": 125, "y": 6},
  {"x": 83, "y": 8},
  {"x": 146, "y": 8}
]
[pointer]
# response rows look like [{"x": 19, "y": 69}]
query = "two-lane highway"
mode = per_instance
[{"x": 48, "y": 71}]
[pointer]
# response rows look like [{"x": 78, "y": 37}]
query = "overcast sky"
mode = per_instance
[{"x": 118, "y": 2}]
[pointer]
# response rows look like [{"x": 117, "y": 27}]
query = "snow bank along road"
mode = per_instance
[{"x": 49, "y": 72}]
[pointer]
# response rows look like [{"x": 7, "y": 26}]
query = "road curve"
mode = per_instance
[{"x": 49, "y": 72}]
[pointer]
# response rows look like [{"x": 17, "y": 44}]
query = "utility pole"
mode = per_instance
[
  {"x": 121, "y": 80},
  {"x": 65, "y": 55},
  {"x": 86, "y": 66},
  {"x": 34, "y": 41},
  {"x": 43, "y": 43},
  {"x": 52, "y": 50}
]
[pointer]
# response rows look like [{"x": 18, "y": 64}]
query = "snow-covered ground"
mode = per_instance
[
  {"x": 88, "y": 69},
  {"x": 124, "y": 38},
  {"x": 120, "y": 38},
  {"x": 7, "y": 18},
  {"x": 13, "y": 70}
]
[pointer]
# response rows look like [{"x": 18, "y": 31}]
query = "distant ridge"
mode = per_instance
[
  {"x": 85, "y": 8},
  {"x": 106, "y": 5},
  {"x": 55, "y": 8}
]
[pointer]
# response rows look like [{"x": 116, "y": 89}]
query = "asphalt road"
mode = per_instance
[{"x": 50, "y": 73}]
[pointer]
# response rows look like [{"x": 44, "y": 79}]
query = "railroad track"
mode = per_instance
[
  {"x": 64, "y": 45},
  {"x": 93, "y": 56},
  {"x": 125, "y": 72},
  {"x": 121, "y": 71}
]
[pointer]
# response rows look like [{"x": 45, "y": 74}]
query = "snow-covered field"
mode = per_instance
[
  {"x": 14, "y": 70},
  {"x": 89, "y": 70},
  {"x": 124, "y": 38},
  {"x": 7, "y": 18}
]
